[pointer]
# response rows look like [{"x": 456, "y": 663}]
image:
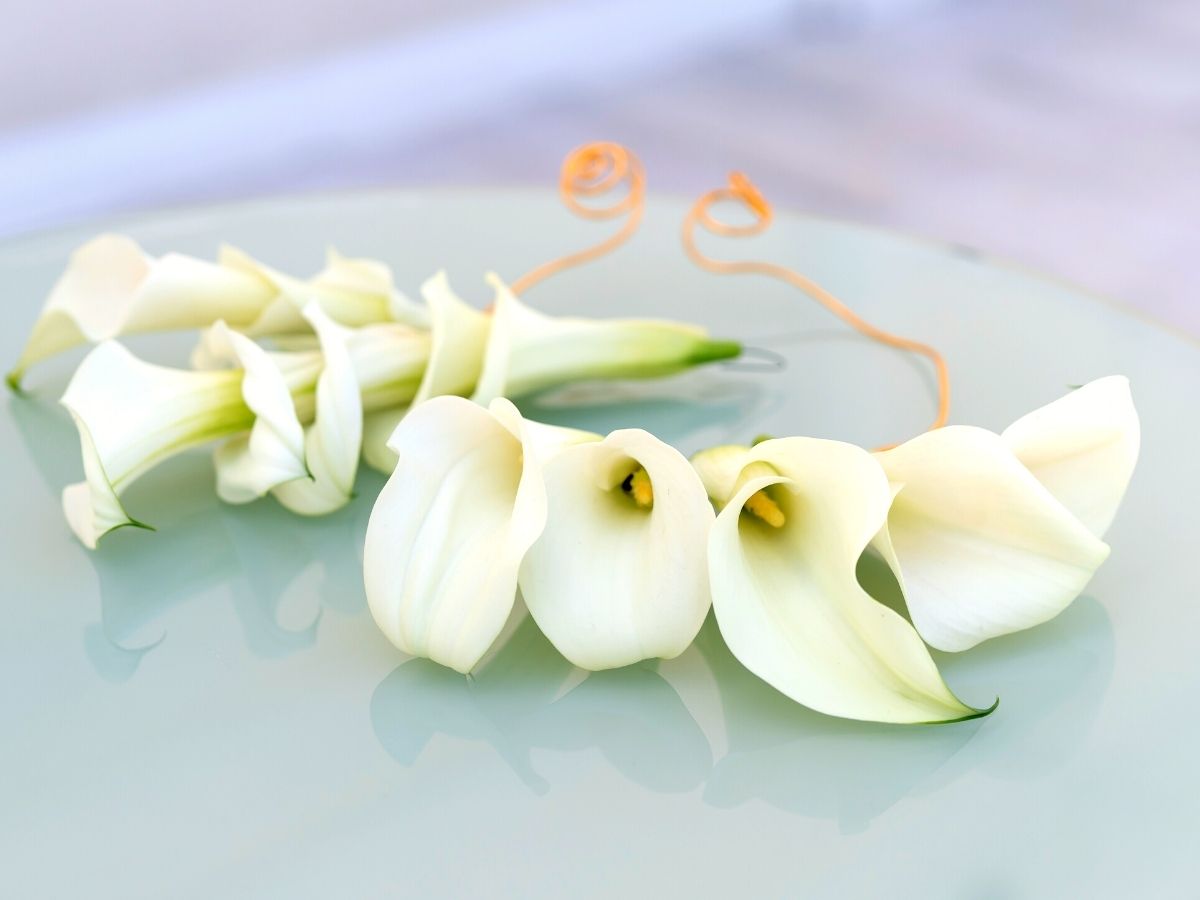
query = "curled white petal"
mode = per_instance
[
  {"x": 788, "y": 601},
  {"x": 111, "y": 287},
  {"x": 1083, "y": 448},
  {"x": 248, "y": 466},
  {"x": 459, "y": 335},
  {"x": 131, "y": 415},
  {"x": 619, "y": 573},
  {"x": 450, "y": 528},
  {"x": 528, "y": 351},
  {"x": 980, "y": 546},
  {"x": 332, "y": 443},
  {"x": 352, "y": 292}
]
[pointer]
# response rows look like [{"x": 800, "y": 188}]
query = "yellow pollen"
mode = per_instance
[
  {"x": 766, "y": 509},
  {"x": 637, "y": 485}
]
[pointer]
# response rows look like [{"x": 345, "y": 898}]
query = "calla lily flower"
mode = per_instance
[
  {"x": 131, "y": 415},
  {"x": 528, "y": 351},
  {"x": 619, "y": 573},
  {"x": 450, "y": 528},
  {"x": 1082, "y": 448},
  {"x": 353, "y": 292},
  {"x": 458, "y": 335},
  {"x": 111, "y": 287},
  {"x": 332, "y": 443},
  {"x": 992, "y": 534},
  {"x": 782, "y": 562}
]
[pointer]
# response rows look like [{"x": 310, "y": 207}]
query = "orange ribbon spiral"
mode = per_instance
[
  {"x": 590, "y": 171},
  {"x": 741, "y": 190}
]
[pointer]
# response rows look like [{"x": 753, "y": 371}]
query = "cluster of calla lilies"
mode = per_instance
[
  {"x": 619, "y": 545},
  {"x": 347, "y": 356}
]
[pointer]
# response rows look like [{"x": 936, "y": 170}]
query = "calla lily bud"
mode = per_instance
[
  {"x": 528, "y": 351},
  {"x": 619, "y": 572}
]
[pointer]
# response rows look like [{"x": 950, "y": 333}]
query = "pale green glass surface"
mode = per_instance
[{"x": 209, "y": 711}]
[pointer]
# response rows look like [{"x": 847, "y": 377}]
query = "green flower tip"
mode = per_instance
[
  {"x": 711, "y": 351},
  {"x": 760, "y": 438},
  {"x": 13, "y": 380}
]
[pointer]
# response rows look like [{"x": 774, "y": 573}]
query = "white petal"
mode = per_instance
[
  {"x": 528, "y": 351},
  {"x": 378, "y": 428},
  {"x": 333, "y": 441},
  {"x": 459, "y": 335},
  {"x": 351, "y": 292},
  {"x": 389, "y": 362},
  {"x": 981, "y": 548},
  {"x": 449, "y": 530},
  {"x": 111, "y": 288},
  {"x": 719, "y": 469},
  {"x": 273, "y": 453},
  {"x": 132, "y": 415},
  {"x": 371, "y": 278},
  {"x": 610, "y": 582},
  {"x": 1083, "y": 448},
  {"x": 788, "y": 601}
]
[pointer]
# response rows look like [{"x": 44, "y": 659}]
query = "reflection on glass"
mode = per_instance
[{"x": 631, "y": 716}]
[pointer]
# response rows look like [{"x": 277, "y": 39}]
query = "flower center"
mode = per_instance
[
  {"x": 761, "y": 505},
  {"x": 637, "y": 485}
]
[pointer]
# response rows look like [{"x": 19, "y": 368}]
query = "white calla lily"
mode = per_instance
[
  {"x": 457, "y": 337},
  {"x": 131, "y": 415},
  {"x": 980, "y": 547},
  {"x": 782, "y": 563},
  {"x": 332, "y": 443},
  {"x": 619, "y": 573},
  {"x": 112, "y": 287},
  {"x": 1083, "y": 448},
  {"x": 528, "y": 351},
  {"x": 452, "y": 524},
  {"x": 249, "y": 465},
  {"x": 352, "y": 292}
]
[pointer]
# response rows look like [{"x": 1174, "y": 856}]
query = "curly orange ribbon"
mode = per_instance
[
  {"x": 741, "y": 190},
  {"x": 589, "y": 171}
]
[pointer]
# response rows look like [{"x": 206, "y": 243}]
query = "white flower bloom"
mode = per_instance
[
  {"x": 782, "y": 562},
  {"x": 111, "y": 287},
  {"x": 332, "y": 443},
  {"x": 1083, "y": 448},
  {"x": 352, "y": 292},
  {"x": 980, "y": 547},
  {"x": 458, "y": 335},
  {"x": 619, "y": 573},
  {"x": 451, "y": 526},
  {"x": 528, "y": 351},
  {"x": 131, "y": 415}
]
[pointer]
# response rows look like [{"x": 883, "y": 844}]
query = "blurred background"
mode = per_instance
[{"x": 1061, "y": 134}]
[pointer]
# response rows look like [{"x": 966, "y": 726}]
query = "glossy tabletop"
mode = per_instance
[{"x": 209, "y": 711}]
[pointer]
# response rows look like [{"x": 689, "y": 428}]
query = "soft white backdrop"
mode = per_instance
[{"x": 1063, "y": 134}]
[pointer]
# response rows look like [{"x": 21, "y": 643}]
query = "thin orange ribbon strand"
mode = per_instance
[
  {"x": 741, "y": 190},
  {"x": 588, "y": 172}
]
